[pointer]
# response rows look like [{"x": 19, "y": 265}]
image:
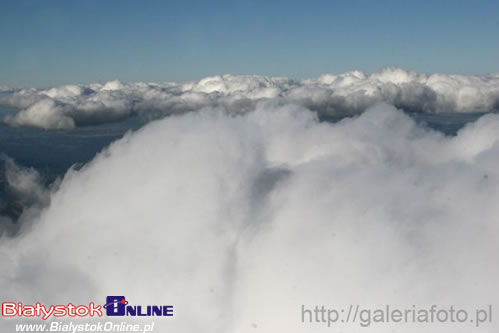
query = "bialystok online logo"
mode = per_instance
[
  {"x": 115, "y": 306},
  {"x": 118, "y": 306}
]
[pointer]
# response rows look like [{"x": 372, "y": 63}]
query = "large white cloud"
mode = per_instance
[
  {"x": 345, "y": 94},
  {"x": 238, "y": 220}
]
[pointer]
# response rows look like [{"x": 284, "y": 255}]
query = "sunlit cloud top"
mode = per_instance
[{"x": 350, "y": 93}]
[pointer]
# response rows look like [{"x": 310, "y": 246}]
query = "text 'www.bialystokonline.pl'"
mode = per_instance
[
  {"x": 366, "y": 317},
  {"x": 73, "y": 327}
]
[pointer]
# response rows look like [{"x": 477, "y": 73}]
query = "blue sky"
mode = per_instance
[{"x": 56, "y": 42}]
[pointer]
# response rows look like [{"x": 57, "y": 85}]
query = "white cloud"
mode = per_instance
[
  {"x": 344, "y": 94},
  {"x": 46, "y": 114},
  {"x": 26, "y": 195},
  {"x": 238, "y": 220}
]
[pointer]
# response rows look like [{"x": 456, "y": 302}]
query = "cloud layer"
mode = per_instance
[
  {"x": 238, "y": 220},
  {"x": 349, "y": 93}
]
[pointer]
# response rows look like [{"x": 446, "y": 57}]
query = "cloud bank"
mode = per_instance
[
  {"x": 349, "y": 93},
  {"x": 238, "y": 220}
]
